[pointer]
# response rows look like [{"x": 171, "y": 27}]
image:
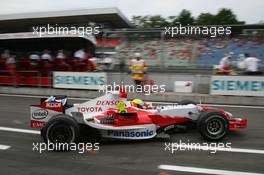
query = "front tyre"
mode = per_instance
[{"x": 213, "y": 125}]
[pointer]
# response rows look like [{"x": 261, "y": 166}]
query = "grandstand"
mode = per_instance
[
  {"x": 159, "y": 52},
  {"x": 212, "y": 50},
  {"x": 187, "y": 51},
  {"x": 120, "y": 40}
]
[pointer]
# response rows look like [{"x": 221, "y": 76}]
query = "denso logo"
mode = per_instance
[
  {"x": 40, "y": 114},
  {"x": 107, "y": 102},
  {"x": 146, "y": 133}
]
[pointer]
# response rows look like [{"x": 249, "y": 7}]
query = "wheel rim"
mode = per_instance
[
  {"x": 61, "y": 133},
  {"x": 215, "y": 126}
]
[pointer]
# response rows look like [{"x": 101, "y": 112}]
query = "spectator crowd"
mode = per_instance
[
  {"x": 246, "y": 52},
  {"x": 45, "y": 62}
]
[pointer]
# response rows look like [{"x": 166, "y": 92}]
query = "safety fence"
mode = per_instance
[
  {"x": 25, "y": 78},
  {"x": 183, "y": 83}
]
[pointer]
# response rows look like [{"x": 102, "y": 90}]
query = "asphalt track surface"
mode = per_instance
[{"x": 126, "y": 157}]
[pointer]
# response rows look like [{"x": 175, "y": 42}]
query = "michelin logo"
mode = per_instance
[{"x": 146, "y": 133}]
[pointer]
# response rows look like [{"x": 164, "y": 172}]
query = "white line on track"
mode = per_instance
[
  {"x": 158, "y": 102},
  {"x": 27, "y": 131},
  {"x": 204, "y": 170},
  {"x": 241, "y": 150},
  {"x": 4, "y": 147},
  {"x": 187, "y": 147},
  {"x": 238, "y": 150}
]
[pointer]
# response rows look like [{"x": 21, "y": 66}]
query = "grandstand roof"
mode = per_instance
[
  {"x": 23, "y": 22},
  {"x": 31, "y": 35}
]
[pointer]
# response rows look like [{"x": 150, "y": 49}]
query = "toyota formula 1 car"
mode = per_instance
[{"x": 100, "y": 118}]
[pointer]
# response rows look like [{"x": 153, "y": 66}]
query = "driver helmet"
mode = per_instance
[{"x": 137, "y": 103}]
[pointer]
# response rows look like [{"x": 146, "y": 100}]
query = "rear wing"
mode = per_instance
[{"x": 48, "y": 107}]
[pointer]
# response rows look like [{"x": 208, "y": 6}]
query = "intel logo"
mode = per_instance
[{"x": 40, "y": 114}]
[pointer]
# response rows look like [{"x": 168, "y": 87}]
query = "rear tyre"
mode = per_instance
[
  {"x": 213, "y": 125},
  {"x": 60, "y": 132}
]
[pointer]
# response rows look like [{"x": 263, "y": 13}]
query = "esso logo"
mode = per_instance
[{"x": 40, "y": 114}]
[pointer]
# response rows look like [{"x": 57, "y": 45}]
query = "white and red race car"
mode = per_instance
[{"x": 100, "y": 118}]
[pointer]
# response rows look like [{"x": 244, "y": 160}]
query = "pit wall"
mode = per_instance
[{"x": 201, "y": 90}]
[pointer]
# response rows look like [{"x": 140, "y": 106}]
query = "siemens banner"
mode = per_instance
[
  {"x": 237, "y": 85},
  {"x": 79, "y": 80}
]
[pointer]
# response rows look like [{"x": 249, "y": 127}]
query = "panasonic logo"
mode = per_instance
[
  {"x": 146, "y": 133},
  {"x": 40, "y": 114}
]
